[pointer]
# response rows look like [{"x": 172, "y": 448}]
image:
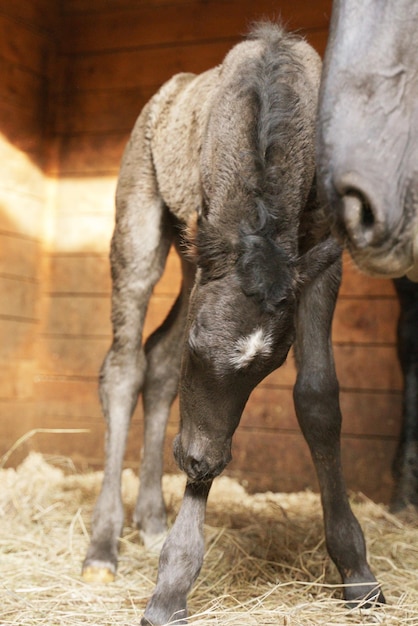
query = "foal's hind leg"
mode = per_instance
[
  {"x": 139, "y": 249},
  {"x": 317, "y": 406},
  {"x": 163, "y": 352}
]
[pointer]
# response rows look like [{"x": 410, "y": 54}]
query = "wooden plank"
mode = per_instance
[
  {"x": 22, "y": 182},
  {"x": 80, "y": 273},
  {"x": 99, "y": 111},
  {"x": 85, "y": 273},
  {"x": 41, "y": 15},
  {"x": 67, "y": 392},
  {"x": 17, "y": 338},
  {"x": 367, "y": 465},
  {"x": 22, "y": 89},
  {"x": 368, "y": 414},
  {"x": 13, "y": 429},
  {"x": 21, "y": 213},
  {"x": 89, "y": 315},
  {"x": 281, "y": 460},
  {"x": 170, "y": 282},
  {"x": 367, "y": 368},
  {"x": 148, "y": 67},
  {"x": 291, "y": 9},
  {"x": 94, "y": 155},
  {"x": 148, "y": 25},
  {"x": 366, "y": 320},
  {"x": 16, "y": 379},
  {"x": 90, "y": 232},
  {"x": 91, "y": 195},
  {"x": 282, "y": 463},
  {"x": 23, "y": 46},
  {"x": 22, "y": 132},
  {"x": 78, "y": 315},
  {"x": 19, "y": 298},
  {"x": 356, "y": 283},
  {"x": 359, "y": 367},
  {"x": 19, "y": 256},
  {"x": 78, "y": 356}
]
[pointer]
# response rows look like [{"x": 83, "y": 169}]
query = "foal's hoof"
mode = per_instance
[
  {"x": 364, "y": 598},
  {"x": 99, "y": 573}
]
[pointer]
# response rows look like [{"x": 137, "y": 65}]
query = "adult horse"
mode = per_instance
[
  {"x": 368, "y": 132},
  {"x": 367, "y": 155},
  {"x": 236, "y": 144}
]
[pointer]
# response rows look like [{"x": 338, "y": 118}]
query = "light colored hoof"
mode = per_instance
[
  {"x": 95, "y": 574},
  {"x": 153, "y": 543}
]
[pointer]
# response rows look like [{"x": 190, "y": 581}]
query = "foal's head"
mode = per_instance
[{"x": 241, "y": 326}]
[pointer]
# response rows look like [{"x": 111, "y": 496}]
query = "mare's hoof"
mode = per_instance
[
  {"x": 98, "y": 574},
  {"x": 153, "y": 542}
]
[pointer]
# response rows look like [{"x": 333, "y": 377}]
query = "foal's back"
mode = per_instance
[{"x": 186, "y": 148}]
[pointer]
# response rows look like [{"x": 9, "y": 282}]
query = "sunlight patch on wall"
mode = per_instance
[
  {"x": 65, "y": 215},
  {"x": 22, "y": 192},
  {"x": 84, "y": 215}
]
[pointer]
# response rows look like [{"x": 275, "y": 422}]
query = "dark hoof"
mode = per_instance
[{"x": 364, "y": 597}]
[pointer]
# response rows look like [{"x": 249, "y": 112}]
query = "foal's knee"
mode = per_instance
[{"x": 316, "y": 401}]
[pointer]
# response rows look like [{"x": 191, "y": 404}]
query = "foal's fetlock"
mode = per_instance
[{"x": 165, "y": 609}]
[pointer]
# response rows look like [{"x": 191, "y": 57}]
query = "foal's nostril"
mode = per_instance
[{"x": 195, "y": 468}]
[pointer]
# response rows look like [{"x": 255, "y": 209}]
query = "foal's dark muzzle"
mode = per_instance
[{"x": 199, "y": 461}]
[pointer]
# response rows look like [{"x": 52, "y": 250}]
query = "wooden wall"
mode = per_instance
[
  {"x": 27, "y": 50},
  {"x": 113, "y": 54}
]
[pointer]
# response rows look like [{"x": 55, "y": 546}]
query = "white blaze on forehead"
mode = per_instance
[{"x": 258, "y": 343}]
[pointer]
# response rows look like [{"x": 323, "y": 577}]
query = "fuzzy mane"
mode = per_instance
[{"x": 265, "y": 268}]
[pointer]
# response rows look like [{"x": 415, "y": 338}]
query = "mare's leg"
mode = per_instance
[
  {"x": 140, "y": 244},
  {"x": 163, "y": 352},
  {"x": 180, "y": 561},
  {"x": 316, "y": 398},
  {"x": 406, "y": 460}
]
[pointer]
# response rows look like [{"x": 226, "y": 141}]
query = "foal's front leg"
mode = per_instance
[
  {"x": 180, "y": 560},
  {"x": 316, "y": 396}
]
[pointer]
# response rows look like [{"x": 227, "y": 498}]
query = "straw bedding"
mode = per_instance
[{"x": 266, "y": 561}]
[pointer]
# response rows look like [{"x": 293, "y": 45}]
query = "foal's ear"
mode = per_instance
[{"x": 265, "y": 271}]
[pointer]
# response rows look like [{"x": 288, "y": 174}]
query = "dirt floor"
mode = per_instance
[{"x": 265, "y": 563}]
